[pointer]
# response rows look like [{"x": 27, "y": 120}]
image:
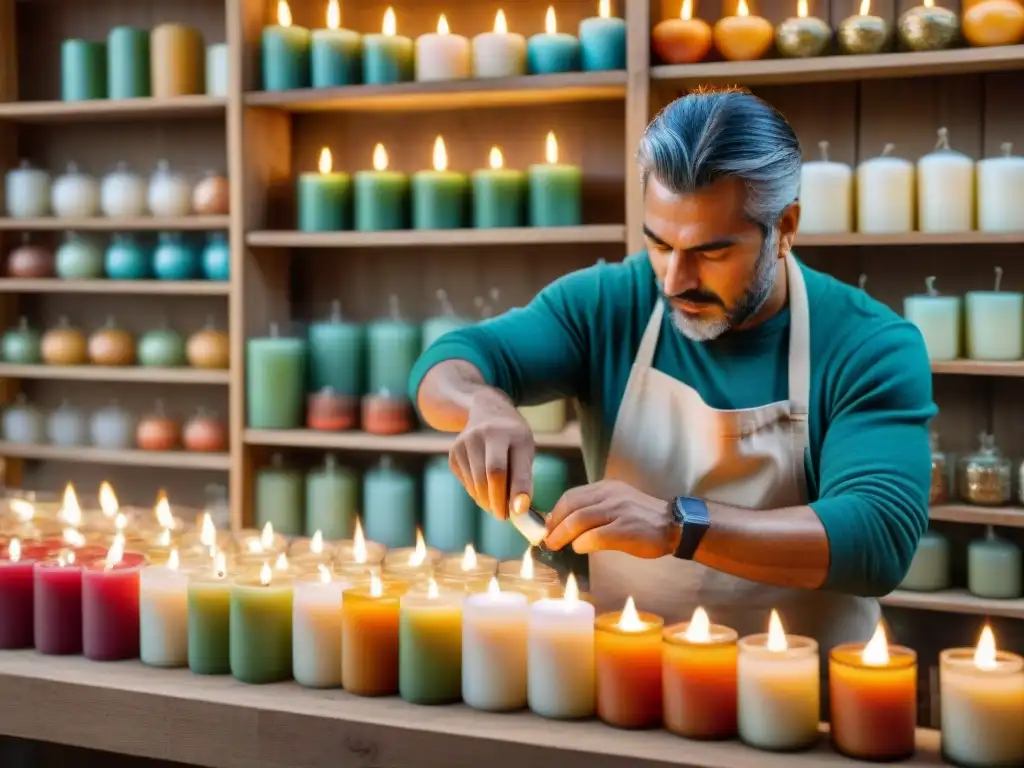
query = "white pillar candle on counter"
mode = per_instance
[
  {"x": 163, "y": 614},
  {"x": 316, "y": 630},
  {"x": 826, "y": 196},
  {"x": 945, "y": 189},
  {"x": 995, "y": 323},
  {"x": 778, "y": 689},
  {"x": 982, "y": 707},
  {"x": 938, "y": 319},
  {"x": 27, "y": 192},
  {"x": 442, "y": 55},
  {"x": 885, "y": 194},
  {"x": 499, "y": 53},
  {"x": 494, "y": 627},
  {"x": 1000, "y": 183}
]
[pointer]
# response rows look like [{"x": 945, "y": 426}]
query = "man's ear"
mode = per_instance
[{"x": 788, "y": 224}]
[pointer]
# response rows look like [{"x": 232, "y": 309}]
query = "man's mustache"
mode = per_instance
[{"x": 696, "y": 297}]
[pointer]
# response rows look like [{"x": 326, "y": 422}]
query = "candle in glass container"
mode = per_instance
[
  {"x": 110, "y": 606},
  {"x": 260, "y": 633},
  {"x": 826, "y": 196},
  {"x": 442, "y": 55},
  {"x": 995, "y": 323},
  {"x": 316, "y": 630},
  {"x": 275, "y": 374},
  {"x": 261, "y": 541},
  {"x": 885, "y": 194},
  {"x": 555, "y": 190},
  {"x": 526, "y": 569},
  {"x": 324, "y": 198},
  {"x": 873, "y": 699},
  {"x": 743, "y": 37},
  {"x": 685, "y": 40},
  {"x": 285, "y": 53},
  {"x": 357, "y": 555},
  {"x": 499, "y": 53},
  {"x": 381, "y": 196},
  {"x": 387, "y": 57},
  {"x": 552, "y": 51},
  {"x": 499, "y": 194},
  {"x": 1000, "y": 182},
  {"x": 494, "y": 649},
  {"x": 209, "y": 619},
  {"x": 311, "y": 552},
  {"x": 468, "y": 565},
  {"x": 58, "y": 605},
  {"x": 602, "y": 40},
  {"x": 802, "y": 36},
  {"x": 938, "y": 319},
  {"x": 17, "y": 594},
  {"x": 778, "y": 690},
  {"x": 430, "y": 646},
  {"x": 699, "y": 679},
  {"x": 945, "y": 189},
  {"x": 439, "y": 196},
  {"x": 163, "y": 614},
  {"x": 628, "y": 667},
  {"x": 370, "y": 633},
  {"x": 336, "y": 54},
  {"x": 408, "y": 563}
]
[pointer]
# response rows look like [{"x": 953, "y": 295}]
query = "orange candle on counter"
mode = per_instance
[
  {"x": 369, "y": 637},
  {"x": 873, "y": 699},
  {"x": 699, "y": 678},
  {"x": 627, "y": 659},
  {"x": 743, "y": 37},
  {"x": 685, "y": 40}
]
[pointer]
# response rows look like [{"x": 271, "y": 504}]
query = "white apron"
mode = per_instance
[{"x": 667, "y": 442}]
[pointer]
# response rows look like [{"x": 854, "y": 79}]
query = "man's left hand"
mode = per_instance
[{"x": 612, "y": 515}]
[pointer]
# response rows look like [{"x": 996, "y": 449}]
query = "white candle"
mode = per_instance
[
  {"x": 316, "y": 630},
  {"x": 995, "y": 323},
  {"x": 982, "y": 704},
  {"x": 945, "y": 189},
  {"x": 123, "y": 193},
  {"x": 826, "y": 196},
  {"x": 75, "y": 195},
  {"x": 938, "y": 319},
  {"x": 169, "y": 194},
  {"x": 499, "y": 53},
  {"x": 442, "y": 55},
  {"x": 885, "y": 194},
  {"x": 217, "y": 70},
  {"x": 560, "y": 656},
  {"x": 27, "y": 192},
  {"x": 1000, "y": 191},
  {"x": 778, "y": 689},
  {"x": 494, "y": 627},
  {"x": 163, "y": 614}
]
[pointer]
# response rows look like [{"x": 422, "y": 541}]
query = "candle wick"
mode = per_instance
[
  {"x": 446, "y": 306},
  {"x": 336, "y": 311},
  {"x": 1006, "y": 148},
  {"x": 929, "y": 284},
  {"x": 823, "y": 146},
  {"x": 862, "y": 281},
  {"x": 274, "y": 331},
  {"x": 999, "y": 277},
  {"x": 887, "y": 149},
  {"x": 393, "y": 305},
  {"x": 943, "y": 142}
]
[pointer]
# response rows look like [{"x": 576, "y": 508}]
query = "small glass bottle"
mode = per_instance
[
  {"x": 939, "y": 493},
  {"x": 984, "y": 478}
]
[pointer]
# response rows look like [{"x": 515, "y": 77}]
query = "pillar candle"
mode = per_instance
[
  {"x": 685, "y": 40},
  {"x": 430, "y": 646},
  {"x": 389, "y": 505},
  {"x": 555, "y": 190},
  {"x": 58, "y": 605},
  {"x": 449, "y": 514},
  {"x": 209, "y": 619},
  {"x": 994, "y": 567},
  {"x": 394, "y": 345},
  {"x": 499, "y": 53},
  {"x": 387, "y": 57},
  {"x": 442, "y": 55},
  {"x": 369, "y": 637},
  {"x": 826, "y": 196},
  {"x": 316, "y": 630},
  {"x": 163, "y": 614},
  {"x": 743, "y": 37},
  {"x": 699, "y": 679},
  {"x": 332, "y": 498},
  {"x": 128, "y": 63},
  {"x": 275, "y": 372},
  {"x": 336, "y": 54},
  {"x": 217, "y": 70},
  {"x": 285, "y": 53},
  {"x": 545, "y": 417},
  {"x": 439, "y": 196},
  {"x": 494, "y": 650},
  {"x": 83, "y": 70},
  {"x": 260, "y": 633},
  {"x": 324, "y": 198},
  {"x": 778, "y": 690},
  {"x": 17, "y": 594},
  {"x": 885, "y": 194},
  {"x": 177, "y": 61},
  {"x": 628, "y": 665},
  {"x": 602, "y": 40},
  {"x": 552, "y": 51},
  {"x": 433, "y": 328},
  {"x": 982, "y": 704},
  {"x": 938, "y": 319},
  {"x": 873, "y": 699},
  {"x": 110, "y": 606},
  {"x": 945, "y": 189},
  {"x": 279, "y": 498},
  {"x": 995, "y": 323},
  {"x": 1000, "y": 182},
  {"x": 337, "y": 351},
  {"x": 411, "y": 563},
  {"x": 499, "y": 194},
  {"x": 929, "y": 570},
  {"x": 381, "y": 196}
]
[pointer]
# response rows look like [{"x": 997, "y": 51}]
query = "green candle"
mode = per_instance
[
  {"x": 209, "y": 621},
  {"x": 439, "y": 196},
  {"x": 127, "y": 63},
  {"x": 275, "y": 378},
  {"x": 555, "y": 191},
  {"x": 324, "y": 198},
  {"x": 332, "y": 500},
  {"x": 381, "y": 196},
  {"x": 394, "y": 345},
  {"x": 499, "y": 195},
  {"x": 337, "y": 54},
  {"x": 279, "y": 499},
  {"x": 337, "y": 352},
  {"x": 430, "y": 646},
  {"x": 387, "y": 57},
  {"x": 83, "y": 70},
  {"x": 261, "y": 627},
  {"x": 994, "y": 568},
  {"x": 285, "y": 51}
]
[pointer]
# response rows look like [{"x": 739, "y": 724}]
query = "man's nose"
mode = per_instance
[{"x": 682, "y": 273}]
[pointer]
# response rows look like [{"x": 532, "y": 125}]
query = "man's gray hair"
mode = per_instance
[{"x": 716, "y": 134}]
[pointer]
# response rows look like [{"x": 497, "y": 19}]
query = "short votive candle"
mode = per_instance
[{"x": 627, "y": 656}]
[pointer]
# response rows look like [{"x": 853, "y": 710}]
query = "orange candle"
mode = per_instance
[
  {"x": 743, "y": 37},
  {"x": 685, "y": 40},
  {"x": 699, "y": 679},
  {"x": 627, "y": 648},
  {"x": 369, "y": 637},
  {"x": 873, "y": 698}
]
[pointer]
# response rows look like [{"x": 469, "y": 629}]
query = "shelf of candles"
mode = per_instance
[
  {"x": 954, "y": 601},
  {"x": 1007, "y": 517},
  {"x": 115, "y": 287},
  {"x": 100, "y": 110},
  {"x": 859, "y": 239},
  {"x": 123, "y": 374},
  {"x": 1014, "y": 369},
  {"x": 97, "y": 224},
  {"x": 592, "y": 233},
  {"x": 219, "y": 462}
]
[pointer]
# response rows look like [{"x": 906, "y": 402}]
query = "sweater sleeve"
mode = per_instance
[{"x": 875, "y": 465}]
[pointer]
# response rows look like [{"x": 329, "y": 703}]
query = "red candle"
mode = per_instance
[
  {"x": 16, "y": 594},
  {"x": 58, "y": 605},
  {"x": 110, "y": 606}
]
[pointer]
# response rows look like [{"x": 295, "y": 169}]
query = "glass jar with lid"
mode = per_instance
[
  {"x": 984, "y": 477},
  {"x": 939, "y": 493}
]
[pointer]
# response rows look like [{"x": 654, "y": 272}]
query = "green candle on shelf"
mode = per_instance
[
  {"x": 337, "y": 54},
  {"x": 994, "y": 567},
  {"x": 555, "y": 190},
  {"x": 439, "y": 196},
  {"x": 499, "y": 194},
  {"x": 261, "y": 627},
  {"x": 332, "y": 500},
  {"x": 929, "y": 570},
  {"x": 275, "y": 378},
  {"x": 389, "y": 505},
  {"x": 324, "y": 198},
  {"x": 387, "y": 57},
  {"x": 279, "y": 499},
  {"x": 381, "y": 196},
  {"x": 285, "y": 51},
  {"x": 337, "y": 351},
  {"x": 83, "y": 70},
  {"x": 436, "y": 327},
  {"x": 209, "y": 620},
  {"x": 394, "y": 344},
  {"x": 128, "y": 63}
]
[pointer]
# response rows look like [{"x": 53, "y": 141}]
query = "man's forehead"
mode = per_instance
[{"x": 685, "y": 220}]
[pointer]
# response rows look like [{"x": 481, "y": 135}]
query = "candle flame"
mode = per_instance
[
  {"x": 469, "y": 559},
  {"x": 266, "y": 575},
  {"x": 604, "y": 9},
  {"x": 928, "y": 3},
  {"x": 876, "y": 652},
  {"x": 325, "y": 162},
  {"x": 496, "y": 160},
  {"x": 108, "y": 500},
  {"x": 865, "y": 7},
  {"x": 550, "y": 23},
  {"x": 333, "y": 15},
  {"x": 801, "y": 9},
  {"x": 442, "y": 25},
  {"x": 316, "y": 544},
  {"x": 207, "y": 531},
  {"x": 526, "y": 570},
  {"x": 220, "y": 565},
  {"x": 376, "y": 585},
  {"x": 390, "y": 26},
  {"x": 120, "y": 522},
  {"x": 985, "y": 653},
  {"x": 164, "y": 538},
  {"x": 742, "y": 9},
  {"x": 284, "y": 14},
  {"x": 493, "y": 587},
  {"x": 419, "y": 552},
  {"x": 22, "y": 510},
  {"x": 629, "y": 619},
  {"x": 699, "y": 629},
  {"x": 325, "y": 573},
  {"x": 686, "y": 12},
  {"x": 359, "y": 553},
  {"x": 115, "y": 554},
  {"x": 174, "y": 560},
  {"x": 14, "y": 550},
  {"x": 572, "y": 589},
  {"x": 551, "y": 148},
  {"x": 70, "y": 511},
  {"x": 65, "y": 558},
  {"x": 776, "y": 634},
  {"x": 73, "y": 537},
  {"x": 380, "y": 158},
  {"x": 500, "y": 23},
  {"x": 164, "y": 518},
  {"x": 432, "y": 590},
  {"x": 281, "y": 564},
  {"x": 440, "y": 155},
  {"x": 267, "y": 536}
]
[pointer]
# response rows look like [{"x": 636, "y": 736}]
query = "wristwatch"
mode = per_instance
[{"x": 692, "y": 516}]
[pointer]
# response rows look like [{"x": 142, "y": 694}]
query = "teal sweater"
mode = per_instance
[{"x": 868, "y": 460}]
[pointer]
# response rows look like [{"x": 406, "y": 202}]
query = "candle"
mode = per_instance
[
  {"x": 527, "y": 570},
  {"x": 217, "y": 69},
  {"x": 994, "y": 567},
  {"x": 387, "y": 57},
  {"x": 778, "y": 690},
  {"x": 555, "y": 190},
  {"x": 468, "y": 565},
  {"x": 743, "y": 37},
  {"x": 312, "y": 551},
  {"x": 260, "y": 632},
  {"x": 27, "y": 192},
  {"x": 863, "y": 33},
  {"x": 929, "y": 570},
  {"x": 110, "y": 606},
  {"x": 442, "y": 55},
  {"x": 927, "y": 28},
  {"x": 938, "y": 319},
  {"x": 494, "y": 649},
  {"x": 499, "y": 53},
  {"x": 324, "y": 198},
  {"x": 685, "y": 40},
  {"x": 357, "y": 555},
  {"x": 552, "y": 51},
  {"x": 885, "y": 194},
  {"x": 389, "y": 498},
  {"x": 802, "y": 36},
  {"x": 381, "y": 196},
  {"x": 279, "y": 497},
  {"x": 873, "y": 699},
  {"x": 628, "y": 667},
  {"x": 58, "y": 605},
  {"x": 337, "y": 348},
  {"x": 602, "y": 40},
  {"x": 439, "y": 196},
  {"x": 1000, "y": 182},
  {"x": 332, "y": 494},
  {"x": 163, "y": 614},
  {"x": 209, "y": 619},
  {"x": 407, "y": 563},
  {"x": 499, "y": 194},
  {"x": 370, "y": 632},
  {"x": 316, "y": 630},
  {"x": 560, "y": 656},
  {"x": 336, "y": 55},
  {"x": 261, "y": 541},
  {"x": 544, "y": 417},
  {"x": 285, "y": 53},
  {"x": 83, "y": 70},
  {"x": 275, "y": 373},
  {"x": 945, "y": 189},
  {"x": 982, "y": 704},
  {"x": 435, "y": 327},
  {"x": 176, "y": 59},
  {"x": 995, "y": 323},
  {"x": 499, "y": 539},
  {"x": 394, "y": 345},
  {"x": 128, "y": 74},
  {"x": 826, "y": 196},
  {"x": 430, "y": 646},
  {"x": 16, "y": 594},
  {"x": 449, "y": 514},
  {"x": 993, "y": 22},
  {"x": 699, "y": 678}
]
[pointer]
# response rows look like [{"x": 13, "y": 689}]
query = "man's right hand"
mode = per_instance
[{"x": 493, "y": 455}]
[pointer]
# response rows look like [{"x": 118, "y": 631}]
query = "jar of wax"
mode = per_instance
[
  {"x": 545, "y": 418},
  {"x": 216, "y": 257},
  {"x": 126, "y": 259},
  {"x": 394, "y": 345},
  {"x": 994, "y": 568},
  {"x": 27, "y": 192},
  {"x": 945, "y": 189},
  {"x": 65, "y": 426},
  {"x": 83, "y": 70},
  {"x": 387, "y": 413},
  {"x": 75, "y": 194},
  {"x": 449, "y": 513},
  {"x": 127, "y": 63},
  {"x": 279, "y": 498},
  {"x": 212, "y": 195},
  {"x": 173, "y": 259},
  {"x": 389, "y": 505},
  {"x": 217, "y": 68},
  {"x": 328, "y": 411},
  {"x": 938, "y": 319},
  {"x": 112, "y": 427},
  {"x": 78, "y": 258},
  {"x": 1000, "y": 184},
  {"x": 995, "y": 323},
  {"x": 337, "y": 350},
  {"x": 939, "y": 493},
  {"x": 332, "y": 500},
  {"x": 170, "y": 194},
  {"x": 161, "y": 348},
  {"x": 177, "y": 61},
  {"x": 123, "y": 193},
  {"x": 22, "y": 345},
  {"x": 23, "y": 423},
  {"x": 275, "y": 376},
  {"x": 929, "y": 570},
  {"x": 435, "y": 327},
  {"x": 984, "y": 478}
]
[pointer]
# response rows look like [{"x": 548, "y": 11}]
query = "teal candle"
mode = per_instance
[
  {"x": 324, "y": 198},
  {"x": 381, "y": 196},
  {"x": 127, "y": 63},
  {"x": 337, "y": 352},
  {"x": 387, "y": 57},
  {"x": 499, "y": 195},
  {"x": 439, "y": 196},
  {"x": 275, "y": 378},
  {"x": 389, "y": 505},
  {"x": 498, "y": 538},
  {"x": 279, "y": 498},
  {"x": 449, "y": 514},
  {"x": 994, "y": 568},
  {"x": 556, "y": 194},
  {"x": 436, "y": 327},
  {"x": 929, "y": 570},
  {"x": 337, "y": 54},
  {"x": 83, "y": 70},
  {"x": 332, "y": 500},
  {"x": 602, "y": 44},
  {"x": 394, "y": 345},
  {"x": 285, "y": 52},
  {"x": 551, "y": 51}
]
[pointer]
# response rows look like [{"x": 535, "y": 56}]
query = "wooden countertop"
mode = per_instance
[{"x": 127, "y": 708}]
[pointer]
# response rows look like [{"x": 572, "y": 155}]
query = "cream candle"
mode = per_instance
[
  {"x": 316, "y": 630},
  {"x": 442, "y": 55},
  {"x": 27, "y": 192},
  {"x": 262, "y": 541},
  {"x": 826, "y": 196},
  {"x": 163, "y": 614},
  {"x": 994, "y": 567},
  {"x": 469, "y": 565},
  {"x": 778, "y": 690},
  {"x": 995, "y": 323},
  {"x": 494, "y": 649},
  {"x": 938, "y": 319},
  {"x": 1000, "y": 182},
  {"x": 358, "y": 554},
  {"x": 499, "y": 53},
  {"x": 528, "y": 570},
  {"x": 945, "y": 189},
  {"x": 885, "y": 194},
  {"x": 410, "y": 562}
]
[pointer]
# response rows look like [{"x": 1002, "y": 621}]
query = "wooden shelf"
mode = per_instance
[
  {"x": 1014, "y": 368},
  {"x": 1008, "y": 517},
  {"x": 127, "y": 374},
  {"x": 146, "y": 224},
  {"x": 220, "y": 462},
  {"x": 592, "y": 233},
  {"x": 954, "y": 601},
  {"x": 180, "y": 107},
  {"x": 854, "y": 240},
  {"x": 455, "y": 94},
  {"x": 825, "y": 69},
  {"x": 125, "y": 287}
]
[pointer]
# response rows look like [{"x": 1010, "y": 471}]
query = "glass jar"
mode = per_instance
[
  {"x": 984, "y": 478},
  {"x": 939, "y": 493}
]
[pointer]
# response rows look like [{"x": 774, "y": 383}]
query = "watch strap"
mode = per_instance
[{"x": 692, "y": 515}]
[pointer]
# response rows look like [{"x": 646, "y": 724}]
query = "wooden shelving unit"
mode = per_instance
[
  {"x": 147, "y": 224},
  {"x": 593, "y": 233},
  {"x": 220, "y": 462},
  {"x": 111, "y": 110},
  {"x": 116, "y": 287}
]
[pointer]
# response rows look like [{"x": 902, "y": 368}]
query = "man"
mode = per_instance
[{"x": 756, "y": 431}]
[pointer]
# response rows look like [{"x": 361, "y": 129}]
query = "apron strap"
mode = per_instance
[
  {"x": 799, "y": 340},
  {"x": 649, "y": 342}
]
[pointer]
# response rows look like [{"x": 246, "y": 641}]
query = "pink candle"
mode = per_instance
[
  {"x": 16, "y": 594},
  {"x": 58, "y": 605},
  {"x": 110, "y": 606}
]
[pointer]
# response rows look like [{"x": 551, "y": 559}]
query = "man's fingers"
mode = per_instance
[
  {"x": 597, "y": 539},
  {"x": 496, "y": 467},
  {"x": 577, "y": 523},
  {"x": 572, "y": 500},
  {"x": 520, "y": 475},
  {"x": 476, "y": 456},
  {"x": 458, "y": 462}
]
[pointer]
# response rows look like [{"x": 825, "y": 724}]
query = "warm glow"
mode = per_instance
[
  {"x": 325, "y": 163},
  {"x": 699, "y": 630},
  {"x": 865, "y": 7},
  {"x": 174, "y": 560},
  {"x": 469, "y": 558},
  {"x": 316, "y": 544},
  {"x": 432, "y": 590},
  {"x": 70, "y": 511},
  {"x": 207, "y": 531},
  {"x": 380, "y": 158},
  {"x": 493, "y": 587},
  {"x": 686, "y": 12},
  {"x": 500, "y": 23},
  {"x": 526, "y": 570},
  {"x": 333, "y": 15},
  {"x": 928, "y": 3},
  {"x": 390, "y": 26},
  {"x": 776, "y": 634},
  {"x": 22, "y": 510},
  {"x": 115, "y": 554},
  {"x": 419, "y": 553},
  {"x": 876, "y": 652},
  {"x": 801, "y": 9},
  {"x": 572, "y": 589},
  {"x": 551, "y": 148},
  {"x": 281, "y": 564},
  {"x": 284, "y": 14},
  {"x": 442, "y": 25},
  {"x": 220, "y": 565},
  {"x": 120, "y": 522},
  {"x": 742, "y": 9},
  {"x": 496, "y": 160},
  {"x": 266, "y": 575},
  {"x": 108, "y": 500},
  {"x": 604, "y": 9},
  {"x": 376, "y": 585},
  {"x": 629, "y": 619},
  {"x": 73, "y": 537},
  {"x": 325, "y": 573},
  {"x": 14, "y": 550},
  {"x": 440, "y": 155},
  {"x": 164, "y": 518},
  {"x": 267, "y": 536},
  {"x": 65, "y": 558},
  {"x": 550, "y": 24},
  {"x": 164, "y": 538},
  {"x": 359, "y": 544},
  {"x": 985, "y": 653}
]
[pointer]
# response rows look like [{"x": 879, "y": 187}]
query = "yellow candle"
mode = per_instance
[
  {"x": 369, "y": 637},
  {"x": 628, "y": 667},
  {"x": 743, "y": 37}
]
